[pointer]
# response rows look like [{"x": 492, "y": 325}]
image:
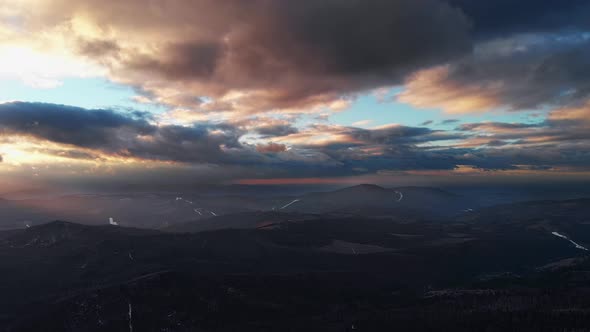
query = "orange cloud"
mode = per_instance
[
  {"x": 432, "y": 88},
  {"x": 271, "y": 148},
  {"x": 576, "y": 113}
]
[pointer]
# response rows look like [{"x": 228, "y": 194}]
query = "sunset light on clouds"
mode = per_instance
[{"x": 290, "y": 92}]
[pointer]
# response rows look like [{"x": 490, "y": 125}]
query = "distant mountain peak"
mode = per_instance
[
  {"x": 57, "y": 223},
  {"x": 365, "y": 187}
]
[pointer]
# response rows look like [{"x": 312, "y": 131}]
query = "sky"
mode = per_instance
[{"x": 287, "y": 92}]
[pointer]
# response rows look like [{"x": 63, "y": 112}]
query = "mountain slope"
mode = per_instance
[
  {"x": 331, "y": 272},
  {"x": 372, "y": 200}
]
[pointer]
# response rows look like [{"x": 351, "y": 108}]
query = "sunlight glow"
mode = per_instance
[{"x": 42, "y": 69}]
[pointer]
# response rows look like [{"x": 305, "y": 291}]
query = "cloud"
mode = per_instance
[
  {"x": 392, "y": 134},
  {"x": 517, "y": 73},
  {"x": 274, "y": 130},
  {"x": 562, "y": 140},
  {"x": 119, "y": 134},
  {"x": 69, "y": 125},
  {"x": 255, "y": 56},
  {"x": 498, "y": 126},
  {"x": 572, "y": 116},
  {"x": 113, "y": 145},
  {"x": 271, "y": 148},
  {"x": 362, "y": 123},
  {"x": 240, "y": 82},
  {"x": 97, "y": 134},
  {"x": 252, "y": 57}
]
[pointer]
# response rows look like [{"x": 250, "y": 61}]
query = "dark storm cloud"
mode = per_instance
[
  {"x": 118, "y": 134},
  {"x": 295, "y": 50},
  {"x": 70, "y": 125},
  {"x": 394, "y": 35},
  {"x": 191, "y": 60},
  {"x": 323, "y": 38}
]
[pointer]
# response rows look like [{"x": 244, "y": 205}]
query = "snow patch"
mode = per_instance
[
  {"x": 572, "y": 242},
  {"x": 130, "y": 315},
  {"x": 184, "y": 200},
  {"x": 293, "y": 202}
]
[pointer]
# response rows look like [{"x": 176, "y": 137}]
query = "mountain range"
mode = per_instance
[{"x": 334, "y": 268}]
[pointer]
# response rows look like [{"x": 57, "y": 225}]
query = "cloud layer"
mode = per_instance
[
  {"x": 249, "y": 86},
  {"x": 80, "y": 135},
  {"x": 256, "y": 56},
  {"x": 519, "y": 73}
]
